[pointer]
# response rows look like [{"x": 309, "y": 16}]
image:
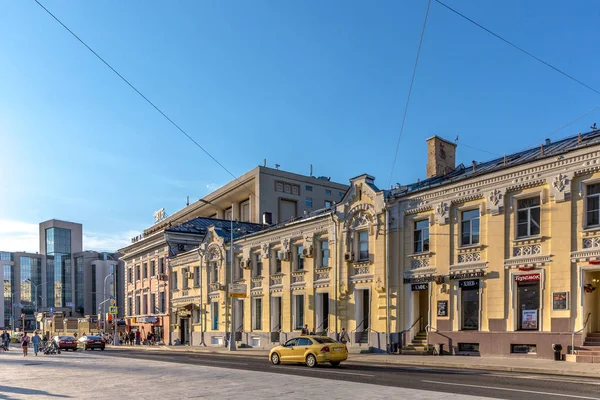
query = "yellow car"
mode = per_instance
[{"x": 311, "y": 350}]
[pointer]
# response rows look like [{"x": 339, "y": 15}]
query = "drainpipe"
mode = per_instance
[
  {"x": 201, "y": 308},
  {"x": 335, "y": 273},
  {"x": 387, "y": 280}
]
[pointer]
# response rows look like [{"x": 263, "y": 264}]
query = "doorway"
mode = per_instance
[
  {"x": 276, "y": 318},
  {"x": 184, "y": 329},
  {"x": 363, "y": 310},
  {"x": 591, "y": 300},
  {"x": 322, "y": 321},
  {"x": 238, "y": 311},
  {"x": 420, "y": 308}
]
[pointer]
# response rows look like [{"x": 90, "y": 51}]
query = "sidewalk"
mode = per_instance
[{"x": 504, "y": 364}]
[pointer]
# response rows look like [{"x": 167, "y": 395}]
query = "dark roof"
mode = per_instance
[
  {"x": 200, "y": 226},
  {"x": 464, "y": 172}
]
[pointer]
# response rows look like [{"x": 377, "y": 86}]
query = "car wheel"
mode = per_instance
[
  {"x": 311, "y": 361},
  {"x": 335, "y": 363},
  {"x": 275, "y": 359},
  {"x": 102, "y": 348}
]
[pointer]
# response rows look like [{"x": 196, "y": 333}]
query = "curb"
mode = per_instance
[{"x": 385, "y": 363}]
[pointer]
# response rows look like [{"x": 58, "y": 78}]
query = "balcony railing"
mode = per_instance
[
  {"x": 214, "y": 287},
  {"x": 256, "y": 283},
  {"x": 322, "y": 274},
  {"x": 362, "y": 270},
  {"x": 298, "y": 277},
  {"x": 276, "y": 280}
]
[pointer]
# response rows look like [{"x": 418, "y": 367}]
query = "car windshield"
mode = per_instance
[
  {"x": 94, "y": 338},
  {"x": 66, "y": 338},
  {"x": 322, "y": 340}
]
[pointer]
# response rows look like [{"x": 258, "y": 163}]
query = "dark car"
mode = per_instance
[
  {"x": 65, "y": 342},
  {"x": 91, "y": 343}
]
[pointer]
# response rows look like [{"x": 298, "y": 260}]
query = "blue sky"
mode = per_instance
[{"x": 297, "y": 83}]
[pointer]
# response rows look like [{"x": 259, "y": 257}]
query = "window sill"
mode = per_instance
[
  {"x": 470, "y": 247},
  {"x": 422, "y": 254},
  {"x": 589, "y": 231},
  {"x": 528, "y": 240}
]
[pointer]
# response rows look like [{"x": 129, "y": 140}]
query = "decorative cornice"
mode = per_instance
[
  {"x": 533, "y": 261},
  {"x": 586, "y": 255},
  {"x": 469, "y": 267}
]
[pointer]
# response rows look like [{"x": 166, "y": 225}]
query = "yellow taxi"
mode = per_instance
[{"x": 311, "y": 350}]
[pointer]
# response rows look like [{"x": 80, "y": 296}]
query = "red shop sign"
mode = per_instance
[{"x": 527, "y": 278}]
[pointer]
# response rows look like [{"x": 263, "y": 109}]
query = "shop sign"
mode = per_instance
[
  {"x": 527, "y": 278},
  {"x": 237, "y": 290},
  {"x": 419, "y": 286},
  {"x": 467, "y": 275},
  {"x": 151, "y": 320},
  {"x": 82, "y": 320},
  {"x": 442, "y": 308},
  {"x": 471, "y": 283},
  {"x": 423, "y": 279}
]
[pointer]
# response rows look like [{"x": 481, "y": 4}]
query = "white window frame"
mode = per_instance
[
  {"x": 257, "y": 319},
  {"x": 299, "y": 256},
  {"x": 358, "y": 243},
  {"x": 322, "y": 253},
  {"x": 296, "y": 324},
  {"x": 587, "y": 184},
  {"x": 422, "y": 241},
  {"x": 462, "y": 212},
  {"x": 528, "y": 209}
]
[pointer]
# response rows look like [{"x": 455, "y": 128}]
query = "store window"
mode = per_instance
[
  {"x": 469, "y": 304},
  {"x": 528, "y": 217},
  {"x": 593, "y": 205},
  {"x": 214, "y": 312},
  {"x": 469, "y": 228},
  {"x": 421, "y": 236},
  {"x": 528, "y": 301}
]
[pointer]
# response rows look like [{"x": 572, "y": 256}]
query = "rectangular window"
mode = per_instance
[
  {"x": 328, "y": 192},
  {"x": 308, "y": 188},
  {"x": 299, "y": 258},
  {"x": 137, "y": 305},
  {"x": 469, "y": 228},
  {"x": 161, "y": 265},
  {"x": 162, "y": 299},
  {"x": 328, "y": 203},
  {"x": 174, "y": 280},
  {"x": 153, "y": 303},
  {"x": 528, "y": 303},
  {"x": 421, "y": 236},
  {"x": 228, "y": 214},
  {"x": 129, "y": 275},
  {"x": 593, "y": 205},
  {"x": 138, "y": 274},
  {"x": 257, "y": 314},
  {"x": 213, "y": 272},
  {"x": 245, "y": 211},
  {"x": 308, "y": 202},
  {"x": 276, "y": 263},
  {"x": 152, "y": 268},
  {"x": 238, "y": 272},
  {"x": 528, "y": 217},
  {"x": 258, "y": 265},
  {"x": 196, "y": 276},
  {"x": 129, "y": 306},
  {"x": 298, "y": 311},
  {"x": 341, "y": 194},
  {"x": 324, "y": 254},
  {"x": 184, "y": 279},
  {"x": 145, "y": 269},
  {"x": 145, "y": 304},
  {"x": 469, "y": 304},
  {"x": 363, "y": 246},
  {"x": 214, "y": 312}
]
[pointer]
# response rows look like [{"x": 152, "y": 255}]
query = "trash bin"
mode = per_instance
[{"x": 557, "y": 348}]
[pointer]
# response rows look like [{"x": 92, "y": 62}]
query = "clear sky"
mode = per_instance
[{"x": 295, "y": 82}]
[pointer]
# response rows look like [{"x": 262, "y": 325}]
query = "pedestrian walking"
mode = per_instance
[
  {"x": 36, "y": 340},
  {"x": 138, "y": 338},
  {"x": 5, "y": 340},
  {"x": 25, "y": 343},
  {"x": 132, "y": 338},
  {"x": 344, "y": 337}
]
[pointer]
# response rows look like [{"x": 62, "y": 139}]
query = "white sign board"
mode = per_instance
[{"x": 237, "y": 290}]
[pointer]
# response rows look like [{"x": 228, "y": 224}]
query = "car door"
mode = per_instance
[
  {"x": 285, "y": 353},
  {"x": 299, "y": 352}
]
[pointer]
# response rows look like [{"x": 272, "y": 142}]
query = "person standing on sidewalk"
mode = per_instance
[
  {"x": 25, "y": 343},
  {"x": 5, "y": 340},
  {"x": 344, "y": 337},
  {"x": 36, "y": 340}
]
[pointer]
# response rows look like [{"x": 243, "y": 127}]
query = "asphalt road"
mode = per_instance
[{"x": 501, "y": 385}]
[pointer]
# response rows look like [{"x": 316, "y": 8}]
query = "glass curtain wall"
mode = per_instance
[
  {"x": 79, "y": 285},
  {"x": 58, "y": 267},
  {"x": 8, "y": 277}
]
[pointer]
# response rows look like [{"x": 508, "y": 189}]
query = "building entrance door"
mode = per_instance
[
  {"x": 322, "y": 312},
  {"x": 276, "y": 319},
  {"x": 184, "y": 330},
  {"x": 239, "y": 318},
  {"x": 363, "y": 307},
  {"x": 591, "y": 300},
  {"x": 420, "y": 308}
]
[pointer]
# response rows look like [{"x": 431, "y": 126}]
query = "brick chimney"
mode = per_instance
[{"x": 441, "y": 155}]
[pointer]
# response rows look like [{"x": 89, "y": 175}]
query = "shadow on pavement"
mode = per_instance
[{"x": 31, "y": 392}]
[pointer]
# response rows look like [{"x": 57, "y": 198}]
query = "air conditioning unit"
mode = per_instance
[
  {"x": 307, "y": 251},
  {"x": 283, "y": 255},
  {"x": 349, "y": 256}
]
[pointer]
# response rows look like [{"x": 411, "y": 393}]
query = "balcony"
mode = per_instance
[
  {"x": 256, "y": 283},
  {"x": 215, "y": 287},
  {"x": 276, "y": 280},
  {"x": 298, "y": 278},
  {"x": 322, "y": 274}
]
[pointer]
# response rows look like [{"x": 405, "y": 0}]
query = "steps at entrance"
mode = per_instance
[
  {"x": 589, "y": 352},
  {"x": 418, "y": 346},
  {"x": 364, "y": 338}
]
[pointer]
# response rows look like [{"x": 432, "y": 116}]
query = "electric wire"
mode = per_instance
[
  {"x": 522, "y": 50},
  {"x": 412, "y": 81},
  {"x": 161, "y": 112}
]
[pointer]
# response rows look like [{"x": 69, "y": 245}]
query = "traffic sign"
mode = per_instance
[
  {"x": 113, "y": 310},
  {"x": 237, "y": 290}
]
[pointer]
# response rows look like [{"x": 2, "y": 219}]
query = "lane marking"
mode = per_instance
[
  {"x": 512, "y": 390},
  {"x": 324, "y": 370},
  {"x": 541, "y": 378}
]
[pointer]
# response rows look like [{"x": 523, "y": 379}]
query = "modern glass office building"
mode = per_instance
[{"x": 58, "y": 267}]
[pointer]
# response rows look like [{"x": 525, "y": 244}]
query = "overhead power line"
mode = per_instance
[
  {"x": 179, "y": 128},
  {"x": 412, "y": 81},
  {"x": 522, "y": 50}
]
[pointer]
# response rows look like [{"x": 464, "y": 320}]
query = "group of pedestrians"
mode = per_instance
[{"x": 131, "y": 338}]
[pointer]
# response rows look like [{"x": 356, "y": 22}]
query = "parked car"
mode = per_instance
[
  {"x": 311, "y": 350},
  {"x": 91, "y": 343},
  {"x": 66, "y": 342}
]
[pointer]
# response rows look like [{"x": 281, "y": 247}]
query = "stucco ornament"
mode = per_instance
[
  {"x": 495, "y": 196},
  {"x": 441, "y": 213},
  {"x": 265, "y": 250},
  {"x": 495, "y": 201},
  {"x": 560, "y": 182},
  {"x": 560, "y": 186}
]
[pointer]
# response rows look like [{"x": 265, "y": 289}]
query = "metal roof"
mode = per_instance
[
  {"x": 200, "y": 225},
  {"x": 462, "y": 172}
]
